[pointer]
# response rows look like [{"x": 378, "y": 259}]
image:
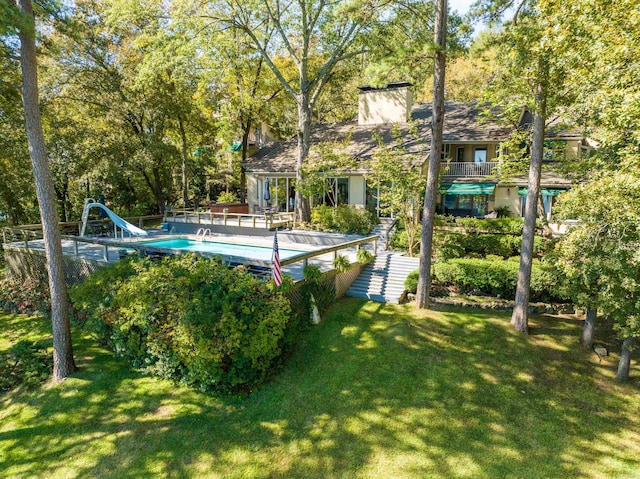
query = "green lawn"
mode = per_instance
[{"x": 377, "y": 391}]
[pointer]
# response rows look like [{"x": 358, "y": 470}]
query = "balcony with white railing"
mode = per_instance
[{"x": 468, "y": 168}]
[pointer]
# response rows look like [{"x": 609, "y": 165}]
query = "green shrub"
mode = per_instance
[
  {"x": 322, "y": 217},
  {"x": 363, "y": 256},
  {"x": 496, "y": 278},
  {"x": 187, "y": 318},
  {"x": 311, "y": 272},
  {"x": 411, "y": 283},
  {"x": 512, "y": 226},
  {"x": 341, "y": 264},
  {"x": 448, "y": 245},
  {"x": 504, "y": 212},
  {"x": 458, "y": 244},
  {"x": 399, "y": 240},
  {"x": 343, "y": 219},
  {"x": 26, "y": 364},
  {"x": 227, "y": 197}
]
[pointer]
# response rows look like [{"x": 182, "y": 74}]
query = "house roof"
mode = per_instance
[{"x": 463, "y": 123}]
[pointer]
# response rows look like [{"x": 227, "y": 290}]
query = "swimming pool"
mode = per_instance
[{"x": 246, "y": 251}]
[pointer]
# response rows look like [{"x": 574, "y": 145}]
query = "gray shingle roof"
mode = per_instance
[{"x": 463, "y": 122}]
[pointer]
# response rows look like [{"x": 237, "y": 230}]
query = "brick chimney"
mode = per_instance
[{"x": 391, "y": 104}]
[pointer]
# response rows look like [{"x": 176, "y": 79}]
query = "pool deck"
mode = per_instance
[{"x": 96, "y": 252}]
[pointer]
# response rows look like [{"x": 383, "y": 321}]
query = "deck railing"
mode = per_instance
[
  {"x": 468, "y": 168},
  {"x": 77, "y": 225},
  {"x": 24, "y": 236},
  {"x": 268, "y": 220}
]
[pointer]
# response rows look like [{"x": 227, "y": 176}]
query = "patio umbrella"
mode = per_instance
[{"x": 267, "y": 193}]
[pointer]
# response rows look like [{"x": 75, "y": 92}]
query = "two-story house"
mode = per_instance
[{"x": 471, "y": 155}]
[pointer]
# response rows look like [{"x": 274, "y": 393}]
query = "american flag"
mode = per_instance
[{"x": 277, "y": 274}]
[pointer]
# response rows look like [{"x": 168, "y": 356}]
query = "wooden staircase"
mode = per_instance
[{"x": 383, "y": 279}]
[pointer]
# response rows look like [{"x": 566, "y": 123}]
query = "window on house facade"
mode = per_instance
[
  {"x": 446, "y": 152},
  {"x": 465, "y": 205},
  {"x": 343, "y": 191},
  {"x": 480, "y": 155},
  {"x": 336, "y": 192},
  {"x": 281, "y": 193},
  {"x": 460, "y": 154}
]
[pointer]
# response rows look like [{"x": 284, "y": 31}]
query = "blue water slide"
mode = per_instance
[{"x": 119, "y": 222}]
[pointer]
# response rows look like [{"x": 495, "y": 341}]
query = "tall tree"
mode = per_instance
[
  {"x": 133, "y": 79},
  {"x": 315, "y": 36},
  {"x": 604, "y": 261},
  {"x": 535, "y": 60},
  {"x": 431, "y": 191},
  {"x": 600, "y": 255},
  {"x": 63, "y": 363},
  {"x": 520, "y": 315}
]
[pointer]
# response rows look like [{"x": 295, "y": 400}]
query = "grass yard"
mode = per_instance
[{"x": 377, "y": 391}]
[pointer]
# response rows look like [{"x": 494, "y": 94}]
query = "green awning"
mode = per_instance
[
  {"x": 468, "y": 189},
  {"x": 544, "y": 191}
]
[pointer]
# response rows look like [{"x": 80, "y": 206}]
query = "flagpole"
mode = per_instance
[{"x": 275, "y": 259}]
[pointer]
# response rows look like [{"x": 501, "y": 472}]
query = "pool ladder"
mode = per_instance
[{"x": 202, "y": 234}]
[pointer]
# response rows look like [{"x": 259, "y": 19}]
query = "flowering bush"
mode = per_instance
[{"x": 26, "y": 297}]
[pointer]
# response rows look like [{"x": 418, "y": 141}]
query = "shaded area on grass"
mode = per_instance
[{"x": 376, "y": 391}]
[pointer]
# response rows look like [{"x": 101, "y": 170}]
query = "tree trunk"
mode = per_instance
[
  {"x": 185, "y": 160},
  {"x": 245, "y": 148},
  {"x": 588, "y": 329},
  {"x": 625, "y": 360},
  {"x": 302, "y": 209},
  {"x": 158, "y": 190},
  {"x": 431, "y": 192},
  {"x": 520, "y": 316},
  {"x": 63, "y": 363}
]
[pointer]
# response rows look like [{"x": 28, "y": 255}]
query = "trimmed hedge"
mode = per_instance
[
  {"x": 512, "y": 226},
  {"x": 491, "y": 277},
  {"x": 188, "y": 319},
  {"x": 450, "y": 244},
  {"x": 496, "y": 278}
]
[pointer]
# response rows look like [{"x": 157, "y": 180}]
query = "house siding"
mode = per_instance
[{"x": 357, "y": 191}]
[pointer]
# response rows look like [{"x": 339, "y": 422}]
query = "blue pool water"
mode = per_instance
[{"x": 262, "y": 253}]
